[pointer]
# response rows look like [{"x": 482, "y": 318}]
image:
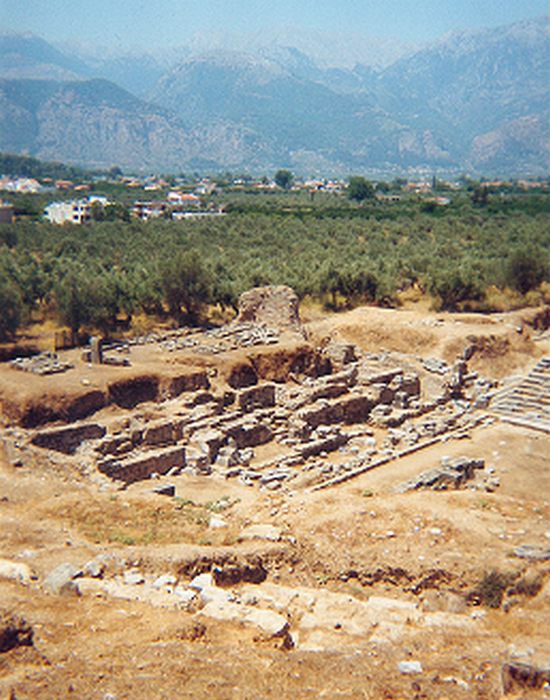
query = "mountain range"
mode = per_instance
[{"x": 473, "y": 101}]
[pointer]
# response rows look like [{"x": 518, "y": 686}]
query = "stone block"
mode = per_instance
[
  {"x": 208, "y": 442},
  {"x": 143, "y": 466},
  {"x": 356, "y": 408},
  {"x": 340, "y": 354},
  {"x": 248, "y": 432},
  {"x": 322, "y": 413},
  {"x": 60, "y": 581},
  {"x": 67, "y": 438},
  {"x": 159, "y": 432},
  {"x": 115, "y": 445},
  {"x": 328, "y": 444},
  {"x": 15, "y": 571},
  {"x": 260, "y": 396},
  {"x": 271, "y": 624}
]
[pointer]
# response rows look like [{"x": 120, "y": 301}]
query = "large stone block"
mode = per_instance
[
  {"x": 143, "y": 466},
  {"x": 208, "y": 442},
  {"x": 356, "y": 408},
  {"x": 159, "y": 432},
  {"x": 248, "y": 432},
  {"x": 67, "y": 438},
  {"x": 261, "y": 396},
  {"x": 328, "y": 444},
  {"x": 322, "y": 413}
]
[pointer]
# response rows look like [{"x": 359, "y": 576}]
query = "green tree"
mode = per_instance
[
  {"x": 480, "y": 195},
  {"x": 186, "y": 287},
  {"x": 454, "y": 288},
  {"x": 284, "y": 179},
  {"x": 527, "y": 268},
  {"x": 360, "y": 188},
  {"x": 11, "y": 305},
  {"x": 97, "y": 211}
]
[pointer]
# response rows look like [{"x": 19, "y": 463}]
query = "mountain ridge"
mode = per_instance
[{"x": 470, "y": 100}]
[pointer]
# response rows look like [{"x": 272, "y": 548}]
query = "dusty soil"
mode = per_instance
[{"x": 360, "y": 538}]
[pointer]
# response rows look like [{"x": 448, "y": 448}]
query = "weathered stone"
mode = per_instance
[
  {"x": 60, "y": 581},
  {"x": 340, "y": 354},
  {"x": 165, "y": 490},
  {"x": 270, "y": 623},
  {"x": 315, "y": 447},
  {"x": 242, "y": 375},
  {"x": 160, "y": 432},
  {"x": 96, "y": 350},
  {"x": 322, "y": 413},
  {"x": 15, "y": 571},
  {"x": 248, "y": 432},
  {"x": 261, "y": 532},
  {"x": 327, "y": 390},
  {"x": 142, "y": 467},
  {"x": 115, "y": 445},
  {"x": 14, "y": 631},
  {"x": 261, "y": 396},
  {"x": 410, "y": 384},
  {"x": 369, "y": 374},
  {"x": 94, "y": 568},
  {"x": 273, "y": 307},
  {"x": 355, "y": 408},
  {"x": 450, "y": 476},
  {"x": 275, "y": 476},
  {"x": 228, "y": 457},
  {"x": 164, "y": 581},
  {"x": 133, "y": 577},
  {"x": 526, "y": 551},
  {"x": 197, "y": 460},
  {"x": 409, "y": 667},
  {"x": 67, "y": 438},
  {"x": 208, "y": 442}
]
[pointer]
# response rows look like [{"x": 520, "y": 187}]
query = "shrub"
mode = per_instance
[
  {"x": 454, "y": 289},
  {"x": 186, "y": 286},
  {"x": 11, "y": 305},
  {"x": 527, "y": 269}
]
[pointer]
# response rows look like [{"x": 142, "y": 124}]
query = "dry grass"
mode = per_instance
[{"x": 117, "y": 520}]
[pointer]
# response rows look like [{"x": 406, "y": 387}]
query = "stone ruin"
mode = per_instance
[
  {"x": 338, "y": 413},
  {"x": 272, "y": 307},
  {"x": 324, "y": 427}
]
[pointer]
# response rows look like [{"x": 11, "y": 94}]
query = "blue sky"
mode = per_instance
[{"x": 165, "y": 23}]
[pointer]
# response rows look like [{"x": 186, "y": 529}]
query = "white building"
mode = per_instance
[{"x": 75, "y": 212}]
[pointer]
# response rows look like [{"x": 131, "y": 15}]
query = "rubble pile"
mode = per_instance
[{"x": 42, "y": 364}]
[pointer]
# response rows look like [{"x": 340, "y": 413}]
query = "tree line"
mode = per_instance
[{"x": 100, "y": 275}]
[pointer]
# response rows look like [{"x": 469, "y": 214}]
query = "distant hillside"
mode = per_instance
[
  {"x": 473, "y": 101},
  {"x": 93, "y": 123},
  {"x": 30, "y": 57}
]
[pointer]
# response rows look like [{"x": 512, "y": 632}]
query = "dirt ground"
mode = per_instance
[{"x": 359, "y": 538}]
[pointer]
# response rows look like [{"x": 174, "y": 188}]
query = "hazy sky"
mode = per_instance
[{"x": 164, "y": 23}]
